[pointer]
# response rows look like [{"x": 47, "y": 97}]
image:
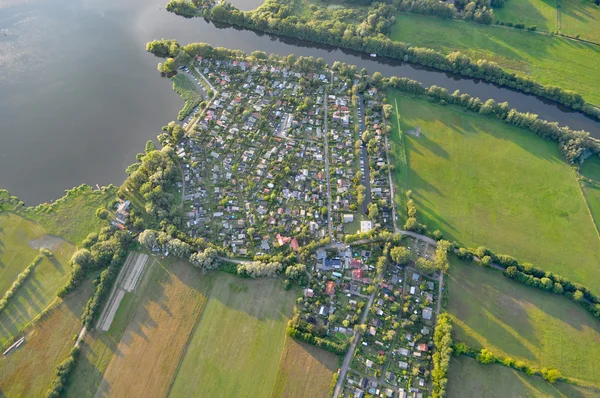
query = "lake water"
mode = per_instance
[{"x": 79, "y": 95}]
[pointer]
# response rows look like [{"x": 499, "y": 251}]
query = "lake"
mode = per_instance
[{"x": 79, "y": 95}]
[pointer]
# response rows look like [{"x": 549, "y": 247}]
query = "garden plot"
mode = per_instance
[{"x": 126, "y": 282}]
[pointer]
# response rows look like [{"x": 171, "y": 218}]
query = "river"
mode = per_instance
[{"x": 79, "y": 95}]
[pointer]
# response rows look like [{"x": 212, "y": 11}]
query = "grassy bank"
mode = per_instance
[
  {"x": 482, "y": 182},
  {"x": 468, "y": 378},
  {"x": 186, "y": 90},
  {"x": 515, "y": 320},
  {"x": 549, "y": 60},
  {"x": 237, "y": 346}
]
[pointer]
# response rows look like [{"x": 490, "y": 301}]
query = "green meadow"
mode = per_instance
[
  {"x": 590, "y": 171},
  {"x": 483, "y": 182},
  {"x": 511, "y": 319},
  {"x": 544, "y": 58},
  {"x": 529, "y": 12}
]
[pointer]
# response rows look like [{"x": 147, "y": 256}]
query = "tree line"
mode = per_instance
[
  {"x": 19, "y": 281},
  {"x": 533, "y": 276},
  {"x": 276, "y": 18},
  {"x": 442, "y": 340}
]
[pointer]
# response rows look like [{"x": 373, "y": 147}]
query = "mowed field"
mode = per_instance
[
  {"x": 545, "y": 330},
  {"x": 237, "y": 346},
  {"x": 468, "y": 378},
  {"x": 544, "y": 58},
  {"x": 482, "y": 182},
  {"x": 591, "y": 188},
  {"x": 20, "y": 240},
  {"x": 580, "y": 17},
  {"x": 304, "y": 371},
  {"x": 29, "y": 370}
]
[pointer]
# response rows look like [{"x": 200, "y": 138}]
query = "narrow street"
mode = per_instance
[
  {"x": 364, "y": 156},
  {"x": 326, "y": 150}
]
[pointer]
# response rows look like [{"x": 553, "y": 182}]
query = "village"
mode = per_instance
[{"x": 277, "y": 158}]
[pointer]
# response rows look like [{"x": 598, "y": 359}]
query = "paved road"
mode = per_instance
[{"x": 326, "y": 134}]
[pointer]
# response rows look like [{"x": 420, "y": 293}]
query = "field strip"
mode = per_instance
[
  {"x": 133, "y": 276},
  {"x": 114, "y": 293},
  {"x": 112, "y": 311}
]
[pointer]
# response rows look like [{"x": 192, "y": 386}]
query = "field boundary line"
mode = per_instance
[
  {"x": 280, "y": 359},
  {"x": 587, "y": 205},
  {"x": 189, "y": 339},
  {"x": 404, "y": 155}
]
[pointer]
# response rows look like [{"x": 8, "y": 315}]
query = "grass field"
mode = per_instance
[
  {"x": 304, "y": 371},
  {"x": 186, "y": 90},
  {"x": 468, "y": 378},
  {"x": 236, "y": 348},
  {"x": 492, "y": 311},
  {"x": 20, "y": 241},
  {"x": 482, "y": 182},
  {"x": 29, "y": 370},
  {"x": 542, "y": 57},
  {"x": 147, "y": 356},
  {"x": 591, "y": 189},
  {"x": 530, "y": 12}
]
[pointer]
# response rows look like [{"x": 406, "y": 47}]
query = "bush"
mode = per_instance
[
  {"x": 63, "y": 370},
  {"x": 102, "y": 213}
]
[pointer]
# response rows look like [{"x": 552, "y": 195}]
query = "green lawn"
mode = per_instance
[
  {"x": 541, "y": 13},
  {"x": 580, "y": 17},
  {"x": 591, "y": 189},
  {"x": 468, "y": 378},
  {"x": 482, "y": 182},
  {"x": 546, "y": 330},
  {"x": 236, "y": 348},
  {"x": 549, "y": 60}
]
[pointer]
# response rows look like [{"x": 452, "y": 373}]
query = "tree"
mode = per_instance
[
  {"x": 426, "y": 266},
  {"x": 485, "y": 356},
  {"x": 150, "y": 146},
  {"x": 387, "y": 111},
  {"x": 551, "y": 375},
  {"x": 149, "y": 238},
  {"x": 373, "y": 211},
  {"x": 400, "y": 255},
  {"x": 486, "y": 261}
]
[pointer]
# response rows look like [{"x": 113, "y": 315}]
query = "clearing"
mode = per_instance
[
  {"x": 483, "y": 182},
  {"x": 544, "y": 58},
  {"x": 511, "y": 319},
  {"x": 236, "y": 348},
  {"x": 468, "y": 378},
  {"x": 304, "y": 371}
]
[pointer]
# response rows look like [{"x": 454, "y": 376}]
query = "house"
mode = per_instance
[
  {"x": 348, "y": 218},
  {"x": 330, "y": 288},
  {"x": 366, "y": 226},
  {"x": 412, "y": 290},
  {"x": 403, "y": 365},
  {"x": 309, "y": 293},
  {"x": 404, "y": 352},
  {"x": 355, "y": 264},
  {"x": 423, "y": 347},
  {"x": 357, "y": 274},
  {"x": 427, "y": 313},
  {"x": 372, "y": 331}
]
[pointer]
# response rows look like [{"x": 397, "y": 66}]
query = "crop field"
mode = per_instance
[
  {"x": 304, "y": 371},
  {"x": 511, "y": 319},
  {"x": 468, "y": 378},
  {"x": 148, "y": 353},
  {"x": 591, "y": 187},
  {"x": 29, "y": 370},
  {"x": 237, "y": 345},
  {"x": 545, "y": 58},
  {"x": 482, "y": 182},
  {"x": 21, "y": 240},
  {"x": 529, "y": 12}
]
